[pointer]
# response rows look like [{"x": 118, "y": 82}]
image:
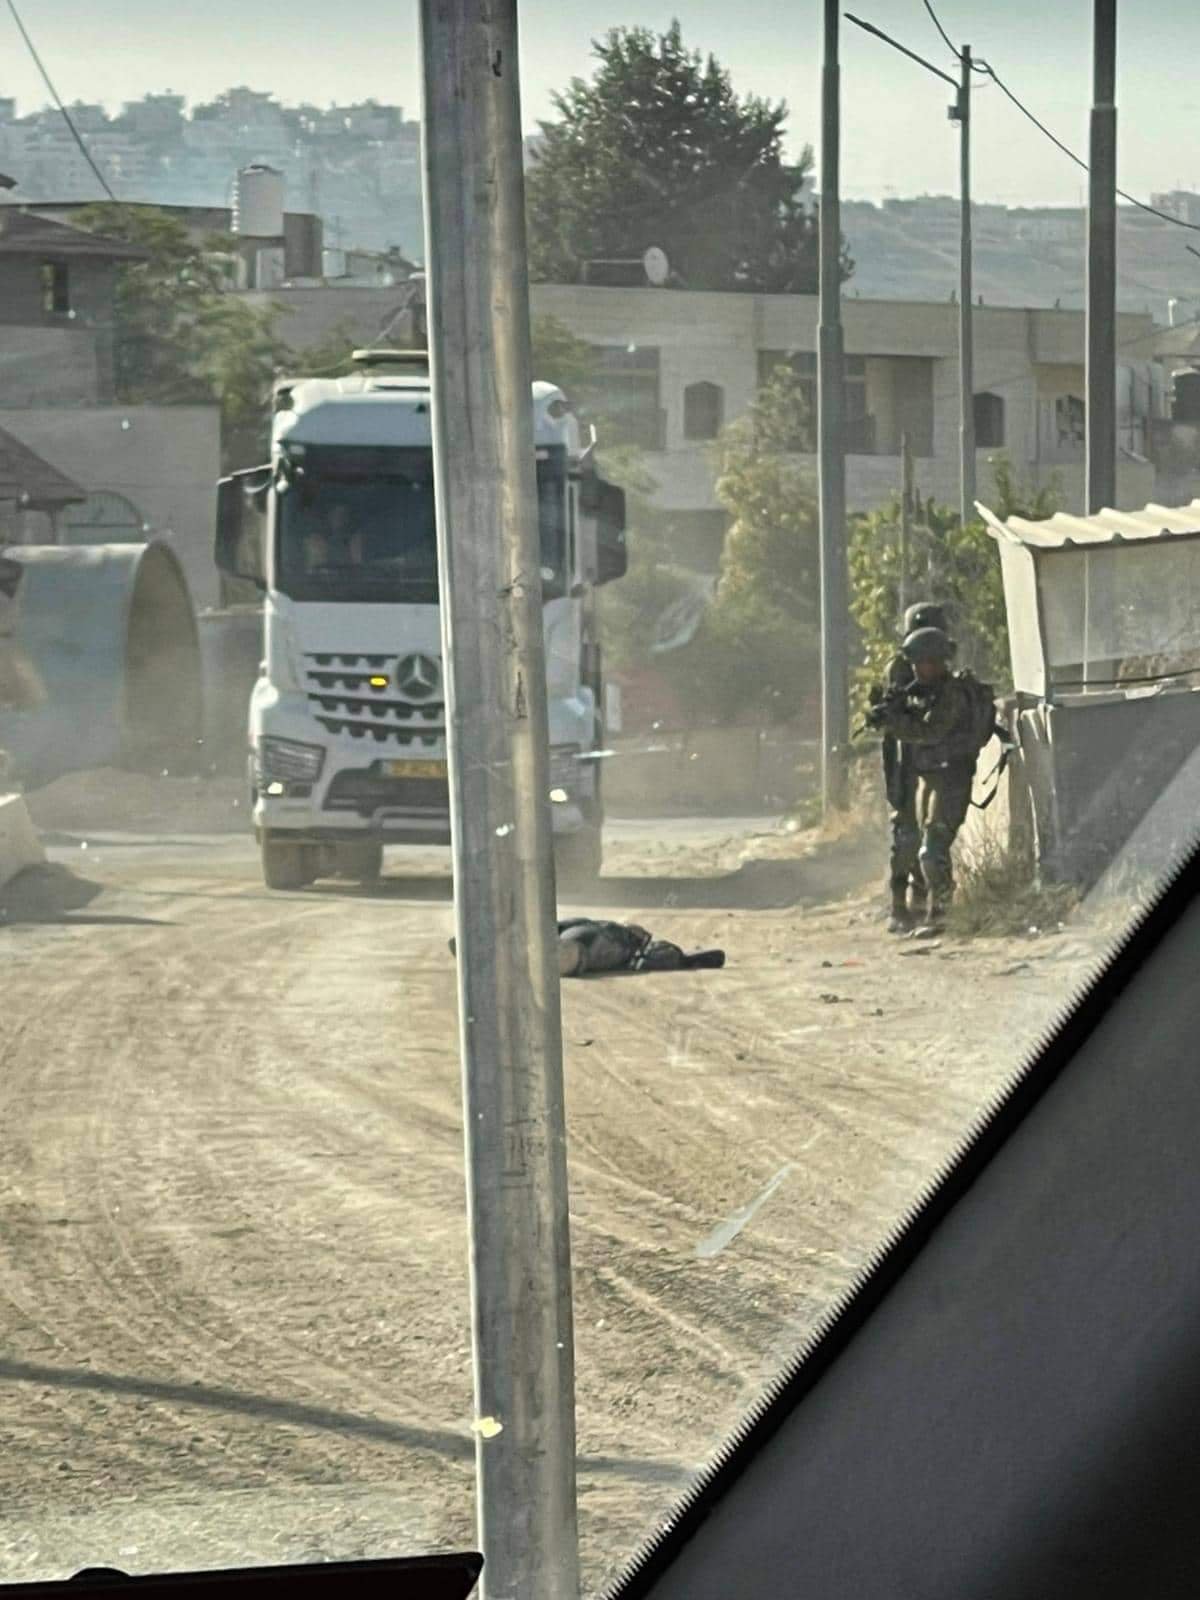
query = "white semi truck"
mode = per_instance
[{"x": 347, "y": 725}]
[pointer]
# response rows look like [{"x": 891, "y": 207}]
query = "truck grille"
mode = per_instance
[
  {"x": 342, "y": 699},
  {"x": 365, "y": 792}
]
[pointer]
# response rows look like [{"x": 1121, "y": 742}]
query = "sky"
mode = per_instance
[{"x": 896, "y": 139}]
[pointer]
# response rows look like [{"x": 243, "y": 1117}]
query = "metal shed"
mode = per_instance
[{"x": 1104, "y": 635}]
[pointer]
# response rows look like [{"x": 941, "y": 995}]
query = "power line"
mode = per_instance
[
  {"x": 1070, "y": 154},
  {"x": 933, "y": 16},
  {"x": 75, "y": 134}
]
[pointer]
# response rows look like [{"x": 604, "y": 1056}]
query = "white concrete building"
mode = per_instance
[
  {"x": 685, "y": 362},
  {"x": 680, "y": 364}
]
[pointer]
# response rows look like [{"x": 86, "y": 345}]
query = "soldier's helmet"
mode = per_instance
[
  {"x": 925, "y": 614},
  {"x": 928, "y": 644}
]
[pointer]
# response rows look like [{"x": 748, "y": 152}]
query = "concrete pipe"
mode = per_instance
[{"x": 111, "y": 632}]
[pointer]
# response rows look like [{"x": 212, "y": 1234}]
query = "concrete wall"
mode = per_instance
[
  {"x": 91, "y": 287},
  {"x": 166, "y": 459},
  {"x": 310, "y": 315},
  {"x": 49, "y": 366}
]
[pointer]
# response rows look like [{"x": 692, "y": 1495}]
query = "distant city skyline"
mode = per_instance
[{"x": 896, "y": 139}]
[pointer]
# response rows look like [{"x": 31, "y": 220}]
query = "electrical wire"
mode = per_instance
[
  {"x": 75, "y": 133},
  {"x": 933, "y": 17},
  {"x": 1141, "y": 205}
]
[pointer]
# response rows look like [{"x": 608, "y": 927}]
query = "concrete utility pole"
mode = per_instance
[
  {"x": 831, "y": 405},
  {"x": 906, "y": 511},
  {"x": 966, "y": 339},
  {"x": 960, "y": 112},
  {"x": 1102, "y": 264},
  {"x": 508, "y": 983}
]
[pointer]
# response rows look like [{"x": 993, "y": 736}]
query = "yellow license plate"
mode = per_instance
[{"x": 414, "y": 769}]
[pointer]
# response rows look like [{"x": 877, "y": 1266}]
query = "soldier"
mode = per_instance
[
  {"x": 937, "y": 722},
  {"x": 899, "y": 781}
]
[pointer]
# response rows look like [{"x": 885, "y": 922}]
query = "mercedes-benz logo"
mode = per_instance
[{"x": 416, "y": 677}]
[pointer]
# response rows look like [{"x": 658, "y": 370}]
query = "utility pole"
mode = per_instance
[
  {"x": 1102, "y": 264},
  {"x": 966, "y": 341},
  {"x": 493, "y": 653},
  {"x": 906, "y": 509},
  {"x": 959, "y": 112},
  {"x": 835, "y": 604}
]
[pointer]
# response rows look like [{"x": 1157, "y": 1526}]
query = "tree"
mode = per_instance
[
  {"x": 181, "y": 338},
  {"x": 330, "y": 356},
  {"x": 560, "y": 357},
  {"x": 959, "y": 566},
  {"x": 658, "y": 150},
  {"x": 755, "y": 653}
]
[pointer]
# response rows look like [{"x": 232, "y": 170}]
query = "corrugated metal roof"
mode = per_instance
[
  {"x": 29, "y": 480},
  {"x": 1106, "y": 527}
]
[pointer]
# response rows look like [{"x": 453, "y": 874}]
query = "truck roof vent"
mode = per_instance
[{"x": 412, "y": 363}]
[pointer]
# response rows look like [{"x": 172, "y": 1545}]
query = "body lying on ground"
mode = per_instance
[{"x": 586, "y": 945}]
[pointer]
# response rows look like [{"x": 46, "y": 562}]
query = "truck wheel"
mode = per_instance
[
  {"x": 578, "y": 858},
  {"x": 362, "y": 862},
  {"x": 287, "y": 866}
]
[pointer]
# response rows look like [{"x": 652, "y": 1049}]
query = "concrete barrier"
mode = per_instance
[{"x": 19, "y": 846}]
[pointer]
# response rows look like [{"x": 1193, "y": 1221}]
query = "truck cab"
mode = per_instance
[{"x": 347, "y": 721}]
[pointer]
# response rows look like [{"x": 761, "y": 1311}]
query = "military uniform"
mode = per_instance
[
  {"x": 586, "y": 945},
  {"x": 934, "y": 727},
  {"x": 899, "y": 778}
]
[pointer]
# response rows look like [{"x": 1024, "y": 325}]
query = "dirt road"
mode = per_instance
[{"x": 232, "y": 1277}]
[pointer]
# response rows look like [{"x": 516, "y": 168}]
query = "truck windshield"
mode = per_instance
[{"x": 358, "y": 525}]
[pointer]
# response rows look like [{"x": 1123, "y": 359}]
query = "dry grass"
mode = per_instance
[{"x": 997, "y": 896}]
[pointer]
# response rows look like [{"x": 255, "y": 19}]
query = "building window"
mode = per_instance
[
  {"x": 703, "y": 410},
  {"x": 625, "y": 391},
  {"x": 56, "y": 295},
  {"x": 989, "y": 421},
  {"x": 1069, "y": 422},
  {"x": 859, "y": 424}
]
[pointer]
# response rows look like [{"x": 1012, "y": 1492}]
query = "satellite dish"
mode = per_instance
[{"x": 655, "y": 265}]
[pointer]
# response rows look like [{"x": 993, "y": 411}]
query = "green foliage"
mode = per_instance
[
  {"x": 559, "y": 357},
  {"x": 957, "y": 566},
  {"x": 755, "y": 652},
  {"x": 658, "y": 150},
  {"x": 180, "y": 338},
  {"x": 327, "y": 357}
]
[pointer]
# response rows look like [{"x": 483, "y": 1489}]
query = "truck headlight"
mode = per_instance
[{"x": 289, "y": 760}]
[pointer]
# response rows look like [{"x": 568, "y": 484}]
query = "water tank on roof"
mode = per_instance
[{"x": 258, "y": 202}]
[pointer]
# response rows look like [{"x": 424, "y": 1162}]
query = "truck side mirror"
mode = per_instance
[
  {"x": 238, "y": 547},
  {"x": 612, "y": 554}
]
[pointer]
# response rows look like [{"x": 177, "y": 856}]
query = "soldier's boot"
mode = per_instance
[
  {"x": 901, "y": 919},
  {"x": 934, "y": 920},
  {"x": 939, "y": 876}
]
